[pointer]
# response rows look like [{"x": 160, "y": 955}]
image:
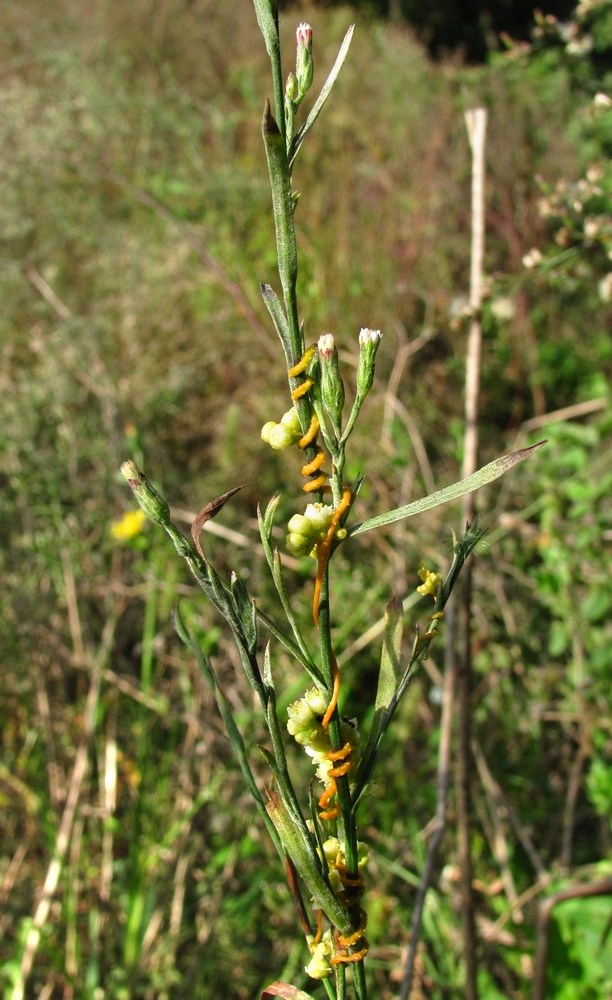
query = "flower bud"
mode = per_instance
[
  {"x": 284, "y": 434},
  {"x": 291, "y": 89},
  {"x": 332, "y": 389},
  {"x": 368, "y": 346},
  {"x": 308, "y": 529},
  {"x": 320, "y": 966},
  {"x": 303, "y": 61},
  {"x": 151, "y": 502},
  {"x": 315, "y": 701},
  {"x": 300, "y": 716}
]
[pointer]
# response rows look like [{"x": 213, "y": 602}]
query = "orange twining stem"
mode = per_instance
[
  {"x": 340, "y": 754},
  {"x": 355, "y": 957},
  {"x": 337, "y": 772},
  {"x": 315, "y": 484},
  {"x": 353, "y": 883},
  {"x": 301, "y": 366},
  {"x": 309, "y": 470},
  {"x": 319, "y": 927},
  {"x": 303, "y": 363},
  {"x": 330, "y": 813},
  {"x": 311, "y": 467},
  {"x": 324, "y": 550},
  {"x": 311, "y": 433},
  {"x": 352, "y": 939},
  {"x": 317, "y": 462},
  {"x": 349, "y": 941},
  {"x": 329, "y": 711},
  {"x": 302, "y": 389},
  {"x": 332, "y": 788}
]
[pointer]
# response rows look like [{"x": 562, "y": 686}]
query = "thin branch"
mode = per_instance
[
  {"x": 444, "y": 762},
  {"x": 603, "y": 888}
]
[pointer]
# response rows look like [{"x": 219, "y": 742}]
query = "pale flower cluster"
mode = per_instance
[
  {"x": 308, "y": 529},
  {"x": 283, "y": 434}
]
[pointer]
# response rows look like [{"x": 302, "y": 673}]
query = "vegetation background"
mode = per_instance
[{"x": 135, "y": 224}]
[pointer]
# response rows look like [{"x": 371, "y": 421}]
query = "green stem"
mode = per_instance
[
  {"x": 267, "y": 18},
  {"x": 340, "y": 982},
  {"x": 282, "y": 204},
  {"x": 347, "y": 812}
]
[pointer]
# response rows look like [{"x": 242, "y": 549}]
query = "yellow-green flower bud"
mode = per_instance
[
  {"x": 319, "y": 966},
  {"x": 300, "y": 716},
  {"x": 332, "y": 388},
  {"x": 331, "y": 847},
  {"x": 291, "y": 89},
  {"x": 308, "y": 529},
  {"x": 315, "y": 701},
  {"x": 368, "y": 346},
  {"x": 309, "y": 738},
  {"x": 284, "y": 434},
  {"x": 291, "y": 421}
]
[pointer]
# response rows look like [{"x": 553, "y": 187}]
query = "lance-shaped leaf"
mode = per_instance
[
  {"x": 485, "y": 475},
  {"x": 245, "y": 609},
  {"x": 321, "y": 99},
  {"x": 389, "y": 679},
  {"x": 302, "y": 856},
  {"x": 390, "y": 667},
  {"x": 274, "y": 307}
]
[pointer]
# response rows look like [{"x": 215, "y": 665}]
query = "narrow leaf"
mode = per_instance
[
  {"x": 485, "y": 475},
  {"x": 389, "y": 679},
  {"x": 303, "y": 858},
  {"x": 245, "y": 609},
  {"x": 266, "y": 522},
  {"x": 274, "y": 307},
  {"x": 321, "y": 99},
  {"x": 267, "y": 671},
  {"x": 390, "y": 668}
]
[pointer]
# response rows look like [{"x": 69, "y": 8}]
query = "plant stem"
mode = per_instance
[
  {"x": 347, "y": 811},
  {"x": 476, "y": 125}
]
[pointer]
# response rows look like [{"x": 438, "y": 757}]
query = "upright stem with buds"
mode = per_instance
[{"x": 319, "y": 843}]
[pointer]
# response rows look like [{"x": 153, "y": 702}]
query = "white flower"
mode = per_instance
[{"x": 532, "y": 258}]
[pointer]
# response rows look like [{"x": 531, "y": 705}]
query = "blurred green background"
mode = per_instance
[{"x": 135, "y": 228}]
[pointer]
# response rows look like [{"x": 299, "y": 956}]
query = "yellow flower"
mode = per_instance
[
  {"x": 128, "y": 526},
  {"x": 431, "y": 581}
]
